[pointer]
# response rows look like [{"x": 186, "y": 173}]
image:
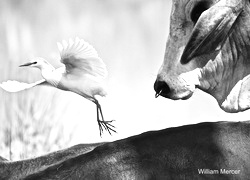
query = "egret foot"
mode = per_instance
[
  {"x": 101, "y": 123},
  {"x": 106, "y": 125}
]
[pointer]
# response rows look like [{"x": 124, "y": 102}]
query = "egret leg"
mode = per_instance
[
  {"x": 103, "y": 124},
  {"x": 107, "y": 125},
  {"x": 98, "y": 121}
]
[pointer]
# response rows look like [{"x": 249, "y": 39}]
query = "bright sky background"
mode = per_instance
[{"x": 130, "y": 37}]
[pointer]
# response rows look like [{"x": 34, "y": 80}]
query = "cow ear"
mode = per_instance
[{"x": 211, "y": 29}]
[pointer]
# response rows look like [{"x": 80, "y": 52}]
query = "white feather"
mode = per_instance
[
  {"x": 80, "y": 59},
  {"x": 15, "y": 86},
  {"x": 60, "y": 47}
]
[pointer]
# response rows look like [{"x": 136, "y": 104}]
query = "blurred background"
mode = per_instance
[{"x": 130, "y": 37}]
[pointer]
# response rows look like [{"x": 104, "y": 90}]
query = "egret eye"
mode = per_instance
[{"x": 198, "y": 9}]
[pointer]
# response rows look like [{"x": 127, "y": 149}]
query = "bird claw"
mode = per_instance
[
  {"x": 107, "y": 126},
  {"x": 103, "y": 124}
]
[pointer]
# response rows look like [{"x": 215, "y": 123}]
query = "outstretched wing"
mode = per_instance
[
  {"x": 15, "y": 86},
  {"x": 80, "y": 59}
]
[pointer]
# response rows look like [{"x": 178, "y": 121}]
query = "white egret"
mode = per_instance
[{"x": 83, "y": 74}]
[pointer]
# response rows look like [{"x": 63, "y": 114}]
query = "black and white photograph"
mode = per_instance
[{"x": 124, "y": 89}]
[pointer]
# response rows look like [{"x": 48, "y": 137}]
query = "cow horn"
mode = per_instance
[{"x": 212, "y": 29}]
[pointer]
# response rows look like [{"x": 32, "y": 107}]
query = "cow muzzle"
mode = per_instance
[
  {"x": 161, "y": 89},
  {"x": 174, "y": 88}
]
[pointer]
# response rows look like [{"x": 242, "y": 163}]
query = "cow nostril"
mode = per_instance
[{"x": 161, "y": 88}]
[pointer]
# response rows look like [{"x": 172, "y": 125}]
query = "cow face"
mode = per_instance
[{"x": 208, "y": 48}]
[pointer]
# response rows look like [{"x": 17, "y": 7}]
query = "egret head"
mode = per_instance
[{"x": 37, "y": 62}]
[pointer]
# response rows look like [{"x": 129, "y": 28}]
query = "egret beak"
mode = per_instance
[{"x": 27, "y": 64}]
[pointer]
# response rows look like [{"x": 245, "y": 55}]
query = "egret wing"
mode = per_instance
[
  {"x": 15, "y": 86},
  {"x": 80, "y": 59}
]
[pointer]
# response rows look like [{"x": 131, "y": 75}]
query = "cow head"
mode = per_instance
[{"x": 208, "y": 48}]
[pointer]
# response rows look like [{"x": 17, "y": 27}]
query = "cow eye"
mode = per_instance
[{"x": 198, "y": 9}]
